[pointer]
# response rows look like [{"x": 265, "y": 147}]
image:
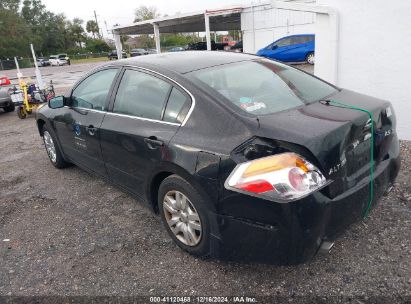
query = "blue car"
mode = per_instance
[{"x": 295, "y": 48}]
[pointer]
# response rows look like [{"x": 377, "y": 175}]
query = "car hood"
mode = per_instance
[
  {"x": 337, "y": 137},
  {"x": 261, "y": 51}
]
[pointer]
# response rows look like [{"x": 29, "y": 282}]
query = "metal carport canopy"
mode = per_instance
[{"x": 224, "y": 19}]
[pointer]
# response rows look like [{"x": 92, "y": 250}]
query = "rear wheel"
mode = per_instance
[
  {"x": 182, "y": 209},
  {"x": 10, "y": 108},
  {"x": 310, "y": 58},
  {"x": 21, "y": 113},
  {"x": 53, "y": 150}
]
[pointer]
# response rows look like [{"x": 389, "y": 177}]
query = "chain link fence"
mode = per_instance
[{"x": 9, "y": 64}]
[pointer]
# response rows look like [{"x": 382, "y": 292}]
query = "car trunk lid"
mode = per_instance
[{"x": 339, "y": 138}]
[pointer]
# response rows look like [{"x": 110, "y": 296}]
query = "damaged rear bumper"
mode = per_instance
[{"x": 252, "y": 229}]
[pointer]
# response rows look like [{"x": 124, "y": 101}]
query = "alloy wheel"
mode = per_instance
[
  {"x": 182, "y": 218},
  {"x": 51, "y": 149},
  {"x": 311, "y": 58}
]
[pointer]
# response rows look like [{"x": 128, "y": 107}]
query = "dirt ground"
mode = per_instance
[{"x": 68, "y": 233}]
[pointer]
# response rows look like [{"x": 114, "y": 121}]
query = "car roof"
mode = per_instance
[
  {"x": 297, "y": 35},
  {"x": 184, "y": 62}
]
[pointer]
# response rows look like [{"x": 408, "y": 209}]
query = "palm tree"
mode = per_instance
[{"x": 92, "y": 27}]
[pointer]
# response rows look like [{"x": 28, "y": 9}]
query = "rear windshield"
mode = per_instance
[{"x": 263, "y": 86}]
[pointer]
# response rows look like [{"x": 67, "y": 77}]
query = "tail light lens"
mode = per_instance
[
  {"x": 282, "y": 177},
  {"x": 4, "y": 81}
]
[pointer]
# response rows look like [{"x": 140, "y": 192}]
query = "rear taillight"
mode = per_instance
[
  {"x": 282, "y": 177},
  {"x": 4, "y": 81}
]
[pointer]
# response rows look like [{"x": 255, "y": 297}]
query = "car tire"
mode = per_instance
[
  {"x": 21, "y": 113},
  {"x": 310, "y": 58},
  {"x": 52, "y": 149},
  {"x": 10, "y": 108},
  {"x": 187, "y": 225}
]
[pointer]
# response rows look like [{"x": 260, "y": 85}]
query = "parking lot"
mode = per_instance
[
  {"x": 65, "y": 232},
  {"x": 62, "y": 76}
]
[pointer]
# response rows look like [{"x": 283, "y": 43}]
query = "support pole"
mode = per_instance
[
  {"x": 19, "y": 74},
  {"x": 157, "y": 37},
  {"x": 37, "y": 71},
  {"x": 207, "y": 29},
  {"x": 119, "y": 47}
]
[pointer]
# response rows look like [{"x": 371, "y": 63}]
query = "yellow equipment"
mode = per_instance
[{"x": 27, "y": 103}]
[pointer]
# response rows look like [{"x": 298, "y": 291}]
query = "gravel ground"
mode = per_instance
[{"x": 70, "y": 233}]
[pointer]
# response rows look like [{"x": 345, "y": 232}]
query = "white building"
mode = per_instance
[
  {"x": 262, "y": 24},
  {"x": 361, "y": 45},
  {"x": 373, "y": 51}
]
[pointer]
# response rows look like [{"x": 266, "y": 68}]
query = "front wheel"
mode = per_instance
[
  {"x": 310, "y": 58},
  {"x": 183, "y": 211},
  {"x": 53, "y": 151},
  {"x": 21, "y": 113}
]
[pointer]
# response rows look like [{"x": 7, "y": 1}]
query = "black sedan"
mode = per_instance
[
  {"x": 242, "y": 157},
  {"x": 113, "y": 55}
]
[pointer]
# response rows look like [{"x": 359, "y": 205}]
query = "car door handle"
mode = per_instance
[
  {"x": 91, "y": 130},
  {"x": 153, "y": 143}
]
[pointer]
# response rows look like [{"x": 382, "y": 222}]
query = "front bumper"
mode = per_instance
[{"x": 253, "y": 229}]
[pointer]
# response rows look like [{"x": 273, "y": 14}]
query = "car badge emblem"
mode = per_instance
[{"x": 77, "y": 129}]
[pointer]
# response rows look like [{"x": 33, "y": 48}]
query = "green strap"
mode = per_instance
[{"x": 370, "y": 114}]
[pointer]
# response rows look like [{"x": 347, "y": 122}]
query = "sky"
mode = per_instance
[{"x": 122, "y": 11}]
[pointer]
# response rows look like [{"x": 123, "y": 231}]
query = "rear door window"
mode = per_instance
[{"x": 141, "y": 95}]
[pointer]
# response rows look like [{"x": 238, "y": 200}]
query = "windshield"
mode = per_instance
[{"x": 262, "y": 86}]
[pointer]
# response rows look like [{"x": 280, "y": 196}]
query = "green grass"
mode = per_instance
[{"x": 88, "y": 60}]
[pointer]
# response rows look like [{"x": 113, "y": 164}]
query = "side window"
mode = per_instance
[
  {"x": 178, "y": 106},
  {"x": 141, "y": 94},
  {"x": 297, "y": 40},
  {"x": 284, "y": 42},
  {"x": 302, "y": 39},
  {"x": 92, "y": 92}
]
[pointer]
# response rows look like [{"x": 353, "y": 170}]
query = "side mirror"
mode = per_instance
[
  {"x": 274, "y": 47},
  {"x": 57, "y": 102}
]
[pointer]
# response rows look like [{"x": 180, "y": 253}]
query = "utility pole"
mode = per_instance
[
  {"x": 98, "y": 28},
  {"x": 108, "y": 32}
]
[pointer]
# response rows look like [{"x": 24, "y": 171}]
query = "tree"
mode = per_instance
[
  {"x": 10, "y": 5},
  {"x": 54, "y": 40},
  {"x": 33, "y": 12},
  {"x": 145, "y": 13},
  {"x": 97, "y": 46},
  {"x": 76, "y": 31},
  {"x": 92, "y": 27},
  {"x": 33, "y": 23},
  {"x": 16, "y": 41}
]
